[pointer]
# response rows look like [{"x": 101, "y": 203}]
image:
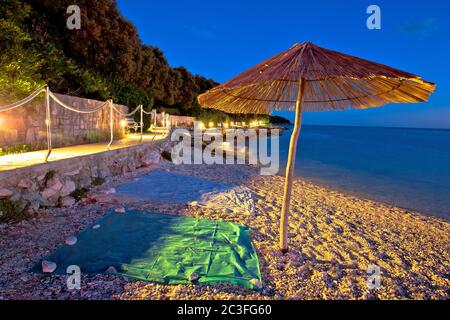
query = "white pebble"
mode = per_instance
[
  {"x": 120, "y": 210},
  {"x": 48, "y": 266},
  {"x": 70, "y": 241}
]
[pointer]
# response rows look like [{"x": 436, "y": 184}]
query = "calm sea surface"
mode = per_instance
[{"x": 409, "y": 168}]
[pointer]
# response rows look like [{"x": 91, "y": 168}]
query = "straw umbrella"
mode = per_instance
[{"x": 310, "y": 78}]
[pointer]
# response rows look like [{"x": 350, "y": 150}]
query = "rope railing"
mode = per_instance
[
  {"x": 50, "y": 95},
  {"x": 23, "y": 101},
  {"x": 62, "y": 104}
]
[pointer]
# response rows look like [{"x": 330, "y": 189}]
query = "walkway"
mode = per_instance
[{"x": 14, "y": 161}]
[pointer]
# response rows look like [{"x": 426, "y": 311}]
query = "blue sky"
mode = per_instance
[{"x": 220, "y": 39}]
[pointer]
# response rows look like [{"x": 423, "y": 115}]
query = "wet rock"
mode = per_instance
[{"x": 48, "y": 266}]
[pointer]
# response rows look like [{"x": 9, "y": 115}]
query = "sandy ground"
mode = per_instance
[{"x": 334, "y": 238}]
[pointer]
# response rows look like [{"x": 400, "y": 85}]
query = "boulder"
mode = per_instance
[
  {"x": 67, "y": 201},
  {"x": 52, "y": 189},
  {"x": 151, "y": 158},
  {"x": 25, "y": 184},
  {"x": 5, "y": 193},
  {"x": 68, "y": 187}
]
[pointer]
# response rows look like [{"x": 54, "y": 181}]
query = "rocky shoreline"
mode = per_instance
[{"x": 334, "y": 238}]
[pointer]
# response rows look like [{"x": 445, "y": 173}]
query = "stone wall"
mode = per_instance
[
  {"x": 26, "y": 125},
  {"x": 177, "y": 121},
  {"x": 53, "y": 184}
]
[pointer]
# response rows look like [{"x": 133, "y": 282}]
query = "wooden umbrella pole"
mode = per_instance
[{"x": 290, "y": 170}]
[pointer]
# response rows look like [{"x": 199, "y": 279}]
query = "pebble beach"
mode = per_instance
[{"x": 333, "y": 239}]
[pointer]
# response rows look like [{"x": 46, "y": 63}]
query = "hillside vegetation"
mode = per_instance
[{"x": 104, "y": 59}]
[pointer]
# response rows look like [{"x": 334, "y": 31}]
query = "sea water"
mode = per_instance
[{"x": 408, "y": 168}]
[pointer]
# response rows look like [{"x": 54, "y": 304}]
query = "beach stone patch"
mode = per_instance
[{"x": 169, "y": 187}]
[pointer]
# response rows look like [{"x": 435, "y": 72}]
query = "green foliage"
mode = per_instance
[
  {"x": 95, "y": 136},
  {"x": 166, "y": 155},
  {"x": 172, "y": 111},
  {"x": 98, "y": 181},
  {"x": 80, "y": 193},
  {"x": 49, "y": 175},
  {"x": 19, "y": 62},
  {"x": 279, "y": 120},
  {"x": 11, "y": 211},
  {"x": 15, "y": 149},
  {"x": 103, "y": 60}
]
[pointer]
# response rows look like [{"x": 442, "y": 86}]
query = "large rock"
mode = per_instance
[
  {"x": 151, "y": 158},
  {"x": 5, "y": 193},
  {"x": 52, "y": 190},
  {"x": 67, "y": 201},
  {"x": 68, "y": 187},
  {"x": 25, "y": 184}
]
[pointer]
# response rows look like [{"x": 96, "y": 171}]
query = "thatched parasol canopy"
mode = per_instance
[
  {"x": 332, "y": 81},
  {"x": 310, "y": 78}
]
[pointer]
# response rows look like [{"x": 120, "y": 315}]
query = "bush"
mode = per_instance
[
  {"x": 98, "y": 181},
  {"x": 79, "y": 193},
  {"x": 166, "y": 155},
  {"x": 15, "y": 149},
  {"x": 11, "y": 211}
]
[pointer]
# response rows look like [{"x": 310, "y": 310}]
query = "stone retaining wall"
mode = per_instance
[
  {"x": 177, "y": 121},
  {"x": 53, "y": 184},
  {"x": 26, "y": 125}
]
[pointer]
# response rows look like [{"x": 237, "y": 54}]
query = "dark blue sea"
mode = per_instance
[{"x": 408, "y": 168}]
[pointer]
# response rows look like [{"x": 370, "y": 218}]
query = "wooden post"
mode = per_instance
[
  {"x": 290, "y": 170},
  {"x": 111, "y": 124},
  {"x": 142, "y": 123},
  {"x": 48, "y": 123}
]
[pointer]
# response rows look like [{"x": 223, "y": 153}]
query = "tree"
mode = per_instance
[{"x": 19, "y": 62}]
